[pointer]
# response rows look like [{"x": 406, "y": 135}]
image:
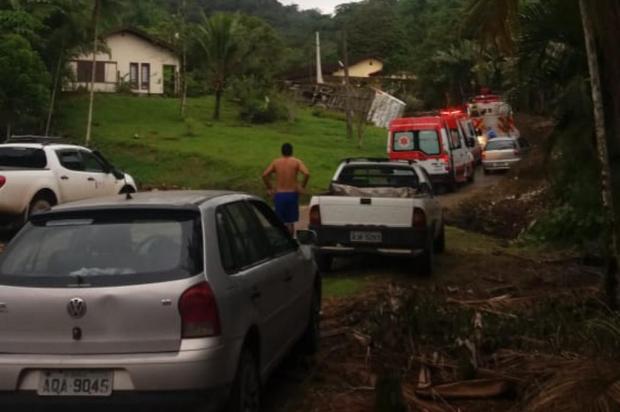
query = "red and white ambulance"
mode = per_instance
[
  {"x": 436, "y": 143},
  {"x": 490, "y": 113}
]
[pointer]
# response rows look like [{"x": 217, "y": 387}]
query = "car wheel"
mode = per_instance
[
  {"x": 39, "y": 204},
  {"x": 440, "y": 242},
  {"x": 245, "y": 392},
  {"x": 127, "y": 189},
  {"x": 424, "y": 261},
  {"x": 324, "y": 262},
  {"x": 472, "y": 174},
  {"x": 312, "y": 335}
]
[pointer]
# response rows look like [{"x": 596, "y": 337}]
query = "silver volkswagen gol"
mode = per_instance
[{"x": 164, "y": 296}]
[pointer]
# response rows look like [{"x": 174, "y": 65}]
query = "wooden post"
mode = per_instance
[
  {"x": 184, "y": 60},
  {"x": 611, "y": 241},
  {"x": 347, "y": 85}
]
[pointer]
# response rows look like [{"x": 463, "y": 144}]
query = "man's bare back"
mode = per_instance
[{"x": 286, "y": 170}]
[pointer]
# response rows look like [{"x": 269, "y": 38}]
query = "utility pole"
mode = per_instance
[
  {"x": 89, "y": 124},
  {"x": 611, "y": 240},
  {"x": 319, "y": 70},
  {"x": 347, "y": 85},
  {"x": 184, "y": 57}
]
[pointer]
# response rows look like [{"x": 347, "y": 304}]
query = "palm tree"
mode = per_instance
[{"x": 218, "y": 36}]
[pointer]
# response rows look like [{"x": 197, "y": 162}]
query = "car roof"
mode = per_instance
[
  {"x": 177, "y": 199},
  {"x": 42, "y": 145},
  {"x": 370, "y": 162}
]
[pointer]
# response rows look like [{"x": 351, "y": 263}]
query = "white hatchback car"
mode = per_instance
[{"x": 162, "y": 296}]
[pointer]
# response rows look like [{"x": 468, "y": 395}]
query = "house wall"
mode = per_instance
[
  {"x": 362, "y": 68},
  {"x": 125, "y": 48}
]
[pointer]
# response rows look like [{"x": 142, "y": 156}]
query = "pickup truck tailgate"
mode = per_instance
[{"x": 391, "y": 212}]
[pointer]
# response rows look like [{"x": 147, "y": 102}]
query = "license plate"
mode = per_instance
[
  {"x": 75, "y": 383},
  {"x": 367, "y": 237}
]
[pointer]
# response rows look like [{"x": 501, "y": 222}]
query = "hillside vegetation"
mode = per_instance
[{"x": 147, "y": 138}]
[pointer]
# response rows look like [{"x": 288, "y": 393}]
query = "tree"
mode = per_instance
[
  {"x": 24, "y": 81},
  {"x": 220, "y": 41}
]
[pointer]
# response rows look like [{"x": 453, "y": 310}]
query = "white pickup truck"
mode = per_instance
[
  {"x": 36, "y": 176},
  {"x": 378, "y": 206}
]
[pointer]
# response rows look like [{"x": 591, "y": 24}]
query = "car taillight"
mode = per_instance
[
  {"x": 419, "y": 218},
  {"x": 445, "y": 159},
  {"x": 2, "y": 181},
  {"x": 199, "y": 314},
  {"x": 517, "y": 152},
  {"x": 315, "y": 216}
]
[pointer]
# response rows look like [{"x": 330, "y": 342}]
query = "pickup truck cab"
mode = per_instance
[
  {"x": 36, "y": 176},
  {"x": 378, "y": 206},
  {"x": 436, "y": 143}
]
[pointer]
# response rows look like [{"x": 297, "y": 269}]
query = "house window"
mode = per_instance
[
  {"x": 84, "y": 72},
  {"x": 146, "y": 76},
  {"x": 133, "y": 75}
]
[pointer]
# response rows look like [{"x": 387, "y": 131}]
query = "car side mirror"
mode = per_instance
[
  {"x": 117, "y": 174},
  {"x": 306, "y": 237},
  {"x": 426, "y": 188}
]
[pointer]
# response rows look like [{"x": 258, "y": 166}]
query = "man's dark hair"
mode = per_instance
[{"x": 287, "y": 149}]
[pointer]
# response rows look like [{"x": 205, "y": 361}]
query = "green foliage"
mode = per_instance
[{"x": 24, "y": 82}]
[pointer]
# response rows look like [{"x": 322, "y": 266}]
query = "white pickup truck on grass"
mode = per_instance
[
  {"x": 36, "y": 176},
  {"x": 378, "y": 206}
]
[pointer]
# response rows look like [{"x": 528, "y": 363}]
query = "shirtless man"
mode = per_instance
[{"x": 286, "y": 193}]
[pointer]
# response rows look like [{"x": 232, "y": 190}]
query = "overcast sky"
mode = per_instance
[{"x": 326, "y": 6}]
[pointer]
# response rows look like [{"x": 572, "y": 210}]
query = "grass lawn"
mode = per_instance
[{"x": 147, "y": 138}]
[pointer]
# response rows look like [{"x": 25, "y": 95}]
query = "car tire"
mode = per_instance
[
  {"x": 324, "y": 261},
  {"x": 472, "y": 176},
  {"x": 440, "y": 242},
  {"x": 245, "y": 392},
  {"x": 310, "y": 340},
  {"x": 39, "y": 203},
  {"x": 424, "y": 261},
  {"x": 127, "y": 189}
]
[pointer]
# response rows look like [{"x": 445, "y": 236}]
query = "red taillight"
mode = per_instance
[
  {"x": 2, "y": 181},
  {"x": 445, "y": 159},
  {"x": 517, "y": 152},
  {"x": 419, "y": 219},
  {"x": 315, "y": 216},
  {"x": 199, "y": 314}
]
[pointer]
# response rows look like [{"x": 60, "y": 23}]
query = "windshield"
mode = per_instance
[
  {"x": 378, "y": 176},
  {"x": 500, "y": 145},
  {"x": 111, "y": 249},
  {"x": 426, "y": 141},
  {"x": 25, "y": 157}
]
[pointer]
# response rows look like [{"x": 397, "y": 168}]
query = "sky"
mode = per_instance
[{"x": 326, "y": 6}]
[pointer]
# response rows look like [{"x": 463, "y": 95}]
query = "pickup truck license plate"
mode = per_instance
[
  {"x": 75, "y": 383},
  {"x": 366, "y": 237}
]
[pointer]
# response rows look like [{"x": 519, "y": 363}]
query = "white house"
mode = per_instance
[{"x": 145, "y": 64}]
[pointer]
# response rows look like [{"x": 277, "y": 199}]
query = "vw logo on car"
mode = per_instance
[{"x": 76, "y": 308}]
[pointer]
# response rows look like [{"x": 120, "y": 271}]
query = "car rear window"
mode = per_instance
[
  {"x": 426, "y": 141},
  {"x": 25, "y": 157},
  {"x": 500, "y": 145},
  {"x": 113, "y": 248},
  {"x": 378, "y": 176}
]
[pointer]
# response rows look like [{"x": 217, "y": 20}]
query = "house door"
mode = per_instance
[{"x": 170, "y": 80}]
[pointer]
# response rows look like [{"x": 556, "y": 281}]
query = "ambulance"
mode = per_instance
[
  {"x": 492, "y": 117},
  {"x": 437, "y": 144}
]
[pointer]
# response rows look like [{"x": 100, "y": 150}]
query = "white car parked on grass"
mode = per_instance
[{"x": 37, "y": 173}]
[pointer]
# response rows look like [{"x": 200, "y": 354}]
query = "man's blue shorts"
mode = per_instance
[{"x": 287, "y": 206}]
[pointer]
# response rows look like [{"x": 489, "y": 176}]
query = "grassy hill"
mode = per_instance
[{"x": 147, "y": 138}]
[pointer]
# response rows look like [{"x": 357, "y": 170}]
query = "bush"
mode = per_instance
[{"x": 265, "y": 111}]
